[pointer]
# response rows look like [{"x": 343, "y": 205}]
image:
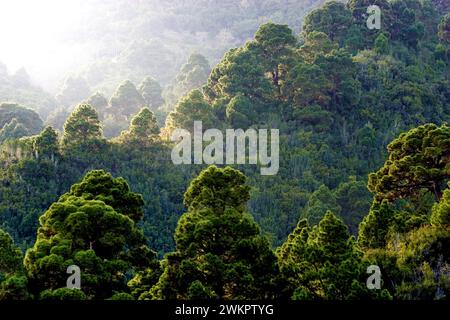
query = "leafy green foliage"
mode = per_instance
[
  {"x": 82, "y": 125},
  {"x": 10, "y": 255},
  {"x": 98, "y": 185},
  {"x": 13, "y": 282},
  {"x": 374, "y": 228},
  {"x": 63, "y": 294},
  {"x": 323, "y": 263},
  {"x": 444, "y": 29},
  {"x": 320, "y": 202},
  {"x": 126, "y": 100},
  {"x": 94, "y": 227},
  {"x": 441, "y": 210},
  {"x": 161, "y": 36},
  {"x": 151, "y": 91},
  {"x": 338, "y": 94},
  {"x": 143, "y": 128},
  {"x": 17, "y": 121},
  {"x": 219, "y": 250},
  {"x": 417, "y": 159},
  {"x": 99, "y": 102},
  {"x": 192, "y": 75},
  {"x": 333, "y": 19},
  {"x": 193, "y": 107},
  {"x": 13, "y": 130},
  {"x": 425, "y": 257},
  {"x": 17, "y": 88},
  {"x": 46, "y": 144}
]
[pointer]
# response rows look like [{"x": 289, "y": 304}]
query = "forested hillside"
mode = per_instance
[
  {"x": 156, "y": 37},
  {"x": 122, "y": 41},
  {"x": 18, "y": 88},
  {"x": 364, "y": 167}
]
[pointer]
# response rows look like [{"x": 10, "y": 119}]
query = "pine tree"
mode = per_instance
[
  {"x": 28, "y": 118},
  {"x": 13, "y": 130},
  {"x": 193, "y": 107},
  {"x": 192, "y": 75},
  {"x": 115, "y": 192},
  {"x": 333, "y": 19},
  {"x": 444, "y": 29},
  {"x": 382, "y": 44},
  {"x": 10, "y": 256},
  {"x": 94, "y": 226},
  {"x": 46, "y": 144},
  {"x": 374, "y": 228},
  {"x": 126, "y": 101},
  {"x": 275, "y": 42},
  {"x": 320, "y": 201},
  {"x": 151, "y": 91},
  {"x": 241, "y": 71},
  {"x": 441, "y": 210},
  {"x": 220, "y": 252},
  {"x": 13, "y": 282},
  {"x": 99, "y": 102},
  {"x": 418, "y": 159},
  {"x": 82, "y": 126},
  {"x": 316, "y": 43},
  {"x": 323, "y": 263},
  {"x": 143, "y": 129}
]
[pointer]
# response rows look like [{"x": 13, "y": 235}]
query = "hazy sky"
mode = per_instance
[
  {"x": 36, "y": 34},
  {"x": 55, "y": 38}
]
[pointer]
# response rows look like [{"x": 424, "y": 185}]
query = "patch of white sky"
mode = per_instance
[{"x": 41, "y": 35}]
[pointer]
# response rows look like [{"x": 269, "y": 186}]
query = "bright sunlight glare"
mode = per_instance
[{"x": 36, "y": 34}]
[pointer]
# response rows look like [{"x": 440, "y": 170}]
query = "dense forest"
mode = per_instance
[{"x": 86, "y": 177}]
